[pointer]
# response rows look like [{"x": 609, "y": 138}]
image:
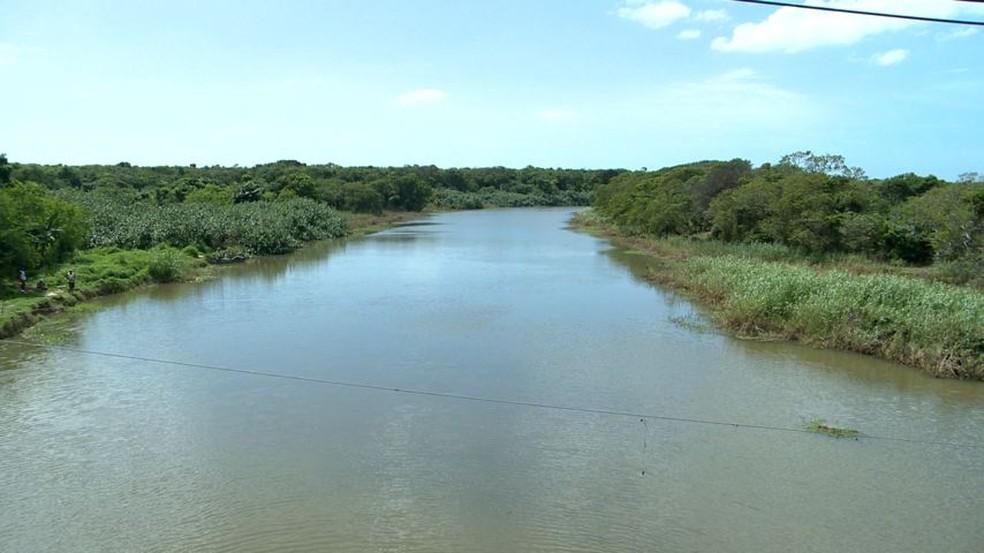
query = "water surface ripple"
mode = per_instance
[{"x": 100, "y": 454}]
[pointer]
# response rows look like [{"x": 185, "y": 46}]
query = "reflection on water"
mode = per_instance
[
  {"x": 115, "y": 455},
  {"x": 416, "y": 224}
]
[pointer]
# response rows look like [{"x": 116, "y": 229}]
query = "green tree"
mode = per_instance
[
  {"x": 4, "y": 170},
  {"x": 970, "y": 177},
  {"x": 412, "y": 193},
  {"x": 720, "y": 177},
  {"x": 299, "y": 183},
  {"x": 950, "y": 216},
  {"x": 900, "y": 188},
  {"x": 249, "y": 191},
  {"x": 361, "y": 198},
  {"x": 742, "y": 214},
  {"x": 828, "y": 164},
  {"x": 210, "y": 194},
  {"x": 69, "y": 177},
  {"x": 37, "y": 228}
]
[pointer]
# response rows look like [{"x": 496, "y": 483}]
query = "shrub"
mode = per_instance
[
  {"x": 259, "y": 227},
  {"x": 165, "y": 265},
  {"x": 36, "y": 227},
  {"x": 232, "y": 254},
  {"x": 453, "y": 199},
  {"x": 210, "y": 194}
]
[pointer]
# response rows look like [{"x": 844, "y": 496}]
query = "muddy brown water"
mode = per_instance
[{"x": 106, "y": 454}]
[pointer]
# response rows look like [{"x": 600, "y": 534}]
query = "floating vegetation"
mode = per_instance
[
  {"x": 225, "y": 256},
  {"x": 820, "y": 426},
  {"x": 692, "y": 322}
]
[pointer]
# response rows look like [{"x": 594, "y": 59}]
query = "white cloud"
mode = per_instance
[
  {"x": 735, "y": 102},
  {"x": 712, "y": 15},
  {"x": 794, "y": 30},
  {"x": 556, "y": 115},
  {"x": 957, "y": 34},
  {"x": 735, "y": 75},
  {"x": 689, "y": 34},
  {"x": 654, "y": 15},
  {"x": 890, "y": 57},
  {"x": 421, "y": 97}
]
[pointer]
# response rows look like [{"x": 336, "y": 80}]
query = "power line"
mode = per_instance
[
  {"x": 478, "y": 399},
  {"x": 864, "y": 12}
]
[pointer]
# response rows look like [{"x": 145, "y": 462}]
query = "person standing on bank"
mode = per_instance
[
  {"x": 22, "y": 279},
  {"x": 70, "y": 277}
]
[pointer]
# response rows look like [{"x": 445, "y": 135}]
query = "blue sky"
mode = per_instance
[{"x": 584, "y": 83}]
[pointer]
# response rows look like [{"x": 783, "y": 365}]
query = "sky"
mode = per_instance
[{"x": 554, "y": 83}]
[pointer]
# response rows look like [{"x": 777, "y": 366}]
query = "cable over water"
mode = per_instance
[
  {"x": 479, "y": 399},
  {"x": 834, "y": 9}
]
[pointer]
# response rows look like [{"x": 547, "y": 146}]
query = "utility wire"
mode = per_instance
[
  {"x": 864, "y": 12},
  {"x": 478, "y": 399}
]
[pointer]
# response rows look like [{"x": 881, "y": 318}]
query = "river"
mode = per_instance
[{"x": 108, "y": 454}]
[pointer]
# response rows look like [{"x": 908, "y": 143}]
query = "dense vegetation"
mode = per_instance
[
  {"x": 788, "y": 250},
  {"x": 930, "y": 325},
  {"x": 36, "y": 228},
  {"x": 361, "y": 189},
  {"x": 119, "y": 226},
  {"x": 775, "y": 249},
  {"x": 837, "y": 301},
  {"x": 259, "y": 227},
  {"x": 47, "y": 212},
  {"x": 815, "y": 205}
]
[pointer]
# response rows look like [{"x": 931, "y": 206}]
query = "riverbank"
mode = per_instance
[
  {"x": 107, "y": 271},
  {"x": 767, "y": 291}
]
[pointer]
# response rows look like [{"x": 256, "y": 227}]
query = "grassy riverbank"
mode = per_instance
[
  {"x": 847, "y": 303},
  {"x": 361, "y": 224},
  {"x": 111, "y": 270},
  {"x": 100, "y": 272}
]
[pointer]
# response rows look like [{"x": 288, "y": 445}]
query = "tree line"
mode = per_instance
[
  {"x": 361, "y": 189},
  {"x": 813, "y": 203},
  {"x": 47, "y": 212}
]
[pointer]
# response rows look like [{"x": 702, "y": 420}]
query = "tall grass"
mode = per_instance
[
  {"x": 932, "y": 326},
  {"x": 752, "y": 250}
]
